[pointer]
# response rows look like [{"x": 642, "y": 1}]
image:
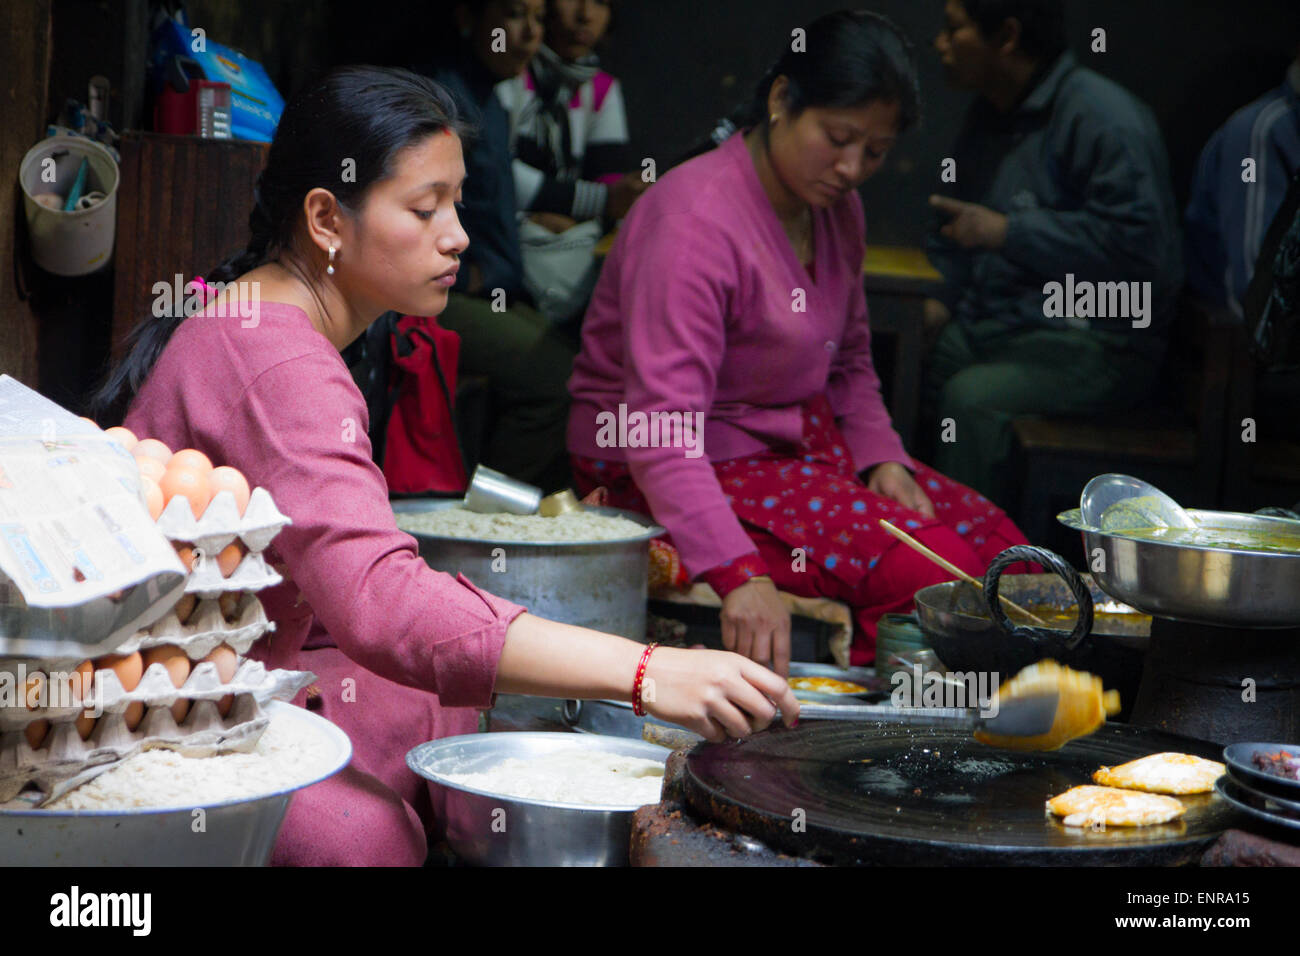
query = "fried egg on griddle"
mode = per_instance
[
  {"x": 1163, "y": 773},
  {"x": 1088, "y": 806}
]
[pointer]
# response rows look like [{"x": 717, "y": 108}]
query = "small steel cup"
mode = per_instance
[{"x": 491, "y": 492}]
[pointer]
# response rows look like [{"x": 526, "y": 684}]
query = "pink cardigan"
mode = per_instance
[
  {"x": 275, "y": 400},
  {"x": 703, "y": 306}
]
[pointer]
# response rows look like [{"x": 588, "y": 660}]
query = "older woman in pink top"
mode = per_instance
[
  {"x": 356, "y": 215},
  {"x": 733, "y": 297}
]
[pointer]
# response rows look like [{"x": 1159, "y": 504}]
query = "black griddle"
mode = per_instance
[{"x": 872, "y": 793}]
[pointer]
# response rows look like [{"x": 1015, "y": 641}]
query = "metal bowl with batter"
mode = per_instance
[
  {"x": 602, "y": 585},
  {"x": 489, "y": 829},
  {"x": 1225, "y": 585}
]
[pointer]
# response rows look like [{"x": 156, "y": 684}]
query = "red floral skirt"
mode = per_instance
[{"x": 810, "y": 499}]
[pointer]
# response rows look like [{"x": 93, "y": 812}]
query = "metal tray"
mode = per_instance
[{"x": 1206, "y": 585}]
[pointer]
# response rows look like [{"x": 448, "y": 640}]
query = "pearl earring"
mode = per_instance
[
  {"x": 774, "y": 117},
  {"x": 330, "y": 268}
]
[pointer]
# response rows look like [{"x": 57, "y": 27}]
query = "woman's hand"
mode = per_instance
[
  {"x": 715, "y": 693},
  {"x": 554, "y": 221},
  {"x": 896, "y": 483},
  {"x": 756, "y": 624}
]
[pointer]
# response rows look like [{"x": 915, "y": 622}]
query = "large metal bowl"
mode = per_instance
[
  {"x": 488, "y": 829},
  {"x": 1206, "y": 585},
  {"x": 597, "y": 584},
  {"x": 236, "y": 832}
]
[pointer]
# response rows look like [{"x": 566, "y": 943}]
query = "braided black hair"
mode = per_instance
[{"x": 364, "y": 114}]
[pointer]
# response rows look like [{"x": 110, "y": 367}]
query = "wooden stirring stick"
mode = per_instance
[{"x": 951, "y": 568}]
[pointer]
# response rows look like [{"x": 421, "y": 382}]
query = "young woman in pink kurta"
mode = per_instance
[
  {"x": 402, "y": 653},
  {"x": 735, "y": 290}
]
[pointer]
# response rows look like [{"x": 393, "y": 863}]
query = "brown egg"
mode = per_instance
[
  {"x": 185, "y": 607},
  {"x": 85, "y": 725},
  {"x": 191, "y": 458},
  {"x": 227, "y": 662},
  {"x": 36, "y": 732},
  {"x": 230, "y": 479},
  {"x": 33, "y": 690},
  {"x": 152, "y": 448},
  {"x": 123, "y": 436},
  {"x": 229, "y": 558},
  {"x": 83, "y": 681},
  {"x": 229, "y": 604},
  {"x": 153, "y": 496},
  {"x": 186, "y": 553},
  {"x": 189, "y": 483},
  {"x": 172, "y": 658},
  {"x": 151, "y": 468},
  {"x": 178, "y": 669},
  {"x": 127, "y": 667},
  {"x": 134, "y": 714}
]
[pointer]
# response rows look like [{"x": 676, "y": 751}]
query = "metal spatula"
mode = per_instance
[
  {"x": 1017, "y": 717},
  {"x": 1028, "y": 716}
]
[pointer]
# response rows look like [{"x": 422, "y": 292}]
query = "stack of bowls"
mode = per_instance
[{"x": 1265, "y": 796}]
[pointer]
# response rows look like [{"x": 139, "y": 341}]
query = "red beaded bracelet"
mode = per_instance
[{"x": 637, "y": 707}]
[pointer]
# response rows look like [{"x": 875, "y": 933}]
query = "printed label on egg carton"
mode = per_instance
[
  {"x": 221, "y": 522},
  {"x": 206, "y": 629},
  {"x": 64, "y": 760}
]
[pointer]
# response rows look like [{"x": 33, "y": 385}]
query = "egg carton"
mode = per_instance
[
  {"x": 206, "y": 629},
  {"x": 221, "y": 522},
  {"x": 251, "y": 574},
  {"x": 156, "y": 688},
  {"x": 65, "y": 761}
]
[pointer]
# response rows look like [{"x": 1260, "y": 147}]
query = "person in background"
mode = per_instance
[
  {"x": 569, "y": 136},
  {"x": 503, "y": 337},
  {"x": 1059, "y": 172},
  {"x": 402, "y": 653},
  {"x": 733, "y": 300},
  {"x": 1227, "y": 216}
]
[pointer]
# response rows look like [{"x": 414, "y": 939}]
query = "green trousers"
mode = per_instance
[
  {"x": 528, "y": 365},
  {"x": 983, "y": 375}
]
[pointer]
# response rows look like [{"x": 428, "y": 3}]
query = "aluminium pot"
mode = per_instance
[{"x": 597, "y": 584}]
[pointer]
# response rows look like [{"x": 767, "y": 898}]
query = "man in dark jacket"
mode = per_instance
[{"x": 1060, "y": 247}]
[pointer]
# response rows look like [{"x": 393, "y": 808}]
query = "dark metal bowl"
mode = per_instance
[{"x": 956, "y": 620}]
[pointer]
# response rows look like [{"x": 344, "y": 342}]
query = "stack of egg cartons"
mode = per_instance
[{"x": 183, "y": 683}]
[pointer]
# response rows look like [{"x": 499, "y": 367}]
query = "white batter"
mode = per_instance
[{"x": 573, "y": 776}]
